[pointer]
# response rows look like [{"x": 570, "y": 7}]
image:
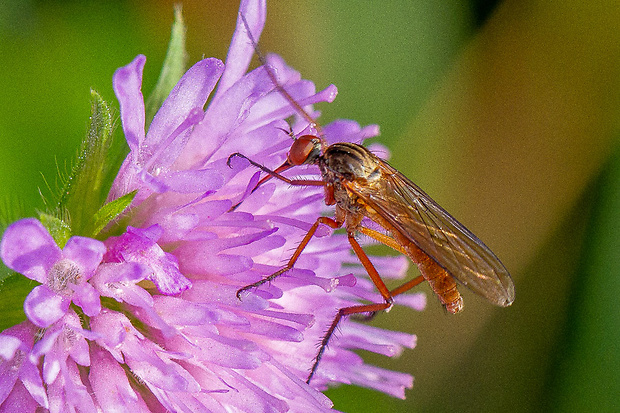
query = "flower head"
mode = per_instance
[{"x": 172, "y": 333}]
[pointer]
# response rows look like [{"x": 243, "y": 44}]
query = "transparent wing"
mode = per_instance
[{"x": 431, "y": 228}]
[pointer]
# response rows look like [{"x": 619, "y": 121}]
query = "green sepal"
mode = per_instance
[
  {"x": 58, "y": 229},
  {"x": 173, "y": 68},
  {"x": 110, "y": 211},
  {"x": 84, "y": 189}
]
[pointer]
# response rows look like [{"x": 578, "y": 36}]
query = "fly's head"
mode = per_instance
[{"x": 306, "y": 150}]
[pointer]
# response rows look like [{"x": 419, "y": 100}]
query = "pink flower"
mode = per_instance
[
  {"x": 157, "y": 324},
  {"x": 28, "y": 248},
  {"x": 21, "y": 386}
]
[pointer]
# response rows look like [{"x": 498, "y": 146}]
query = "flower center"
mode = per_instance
[
  {"x": 18, "y": 359},
  {"x": 68, "y": 337},
  {"x": 63, "y": 273}
]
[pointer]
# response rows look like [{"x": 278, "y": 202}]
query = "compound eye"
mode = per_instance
[{"x": 303, "y": 149}]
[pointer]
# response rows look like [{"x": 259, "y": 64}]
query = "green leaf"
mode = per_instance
[
  {"x": 84, "y": 190},
  {"x": 14, "y": 290},
  {"x": 5, "y": 273},
  {"x": 58, "y": 229},
  {"x": 110, "y": 211},
  {"x": 173, "y": 68}
]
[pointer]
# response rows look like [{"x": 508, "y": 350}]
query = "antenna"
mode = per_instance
[{"x": 277, "y": 84}]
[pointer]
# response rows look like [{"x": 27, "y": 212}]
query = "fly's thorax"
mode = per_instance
[
  {"x": 349, "y": 162},
  {"x": 345, "y": 165}
]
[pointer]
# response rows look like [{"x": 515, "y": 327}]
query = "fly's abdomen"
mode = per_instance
[
  {"x": 445, "y": 287},
  {"x": 442, "y": 284}
]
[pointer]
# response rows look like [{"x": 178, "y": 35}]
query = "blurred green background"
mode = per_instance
[{"x": 507, "y": 113}]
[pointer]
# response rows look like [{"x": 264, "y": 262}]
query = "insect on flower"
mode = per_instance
[{"x": 361, "y": 185}]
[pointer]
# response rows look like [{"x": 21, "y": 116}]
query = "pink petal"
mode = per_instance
[
  {"x": 31, "y": 378},
  {"x": 162, "y": 374},
  {"x": 128, "y": 88},
  {"x": 380, "y": 150},
  {"x": 181, "y": 312},
  {"x": 87, "y": 298},
  {"x": 228, "y": 352},
  {"x": 241, "y": 49},
  {"x": 110, "y": 384},
  {"x": 344, "y": 130},
  {"x": 28, "y": 248},
  {"x": 386, "y": 381},
  {"x": 8, "y": 378},
  {"x": 189, "y": 93},
  {"x": 69, "y": 393},
  {"x": 118, "y": 280},
  {"x": 127, "y": 272},
  {"x": 196, "y": 180},
  {"x": 44, "y": 307},
  {"x": 226, "y": 112},
  {"x": 417, "y": 301},
  {"x": 112, "y": 327},
  {"x": 19, "y": 400},
  {"x": 139, "y": 246},
  {"x": 221, "y": 264},
  {"x": 86, "y": 253},
  {"x": 8, "y": 346}
]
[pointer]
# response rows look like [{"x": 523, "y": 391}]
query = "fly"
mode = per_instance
[{"x": 360, "y": 184}]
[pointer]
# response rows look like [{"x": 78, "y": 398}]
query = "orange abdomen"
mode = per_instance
[{"x": 440, "y": 281}]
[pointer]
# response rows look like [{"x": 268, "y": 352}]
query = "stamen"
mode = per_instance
[
  {"x": 63, "y": 273},
  {"x": 16, "y": 363},
  {"x": 68, "y": 337}
]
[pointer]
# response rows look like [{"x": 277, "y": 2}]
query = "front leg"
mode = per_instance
[
  {"x": 330, "y": 222},
  {"x": 277, "y": 172}
]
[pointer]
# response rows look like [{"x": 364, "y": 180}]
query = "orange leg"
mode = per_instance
[
  {"x": 407, "y": 286},
  {"x": 376, "y": 279},
  {"x": 330, "y": 222},
  {"x": 392, "y": 243},
  {"x": 368, "y": 308},
  {"x": 276, "y": 173},
  {"x": 442, "y": 284},
  {"x": 382, "y": 238},
  {"x": 396, "y": 291}
]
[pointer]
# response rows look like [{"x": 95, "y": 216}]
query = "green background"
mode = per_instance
[{"x": 507, "y": 113}]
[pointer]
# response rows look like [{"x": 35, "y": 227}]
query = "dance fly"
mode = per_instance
[{"x": 362, "y": 185}]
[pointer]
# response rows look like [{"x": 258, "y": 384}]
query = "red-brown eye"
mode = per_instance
[{"x": 302, "y": 149}]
